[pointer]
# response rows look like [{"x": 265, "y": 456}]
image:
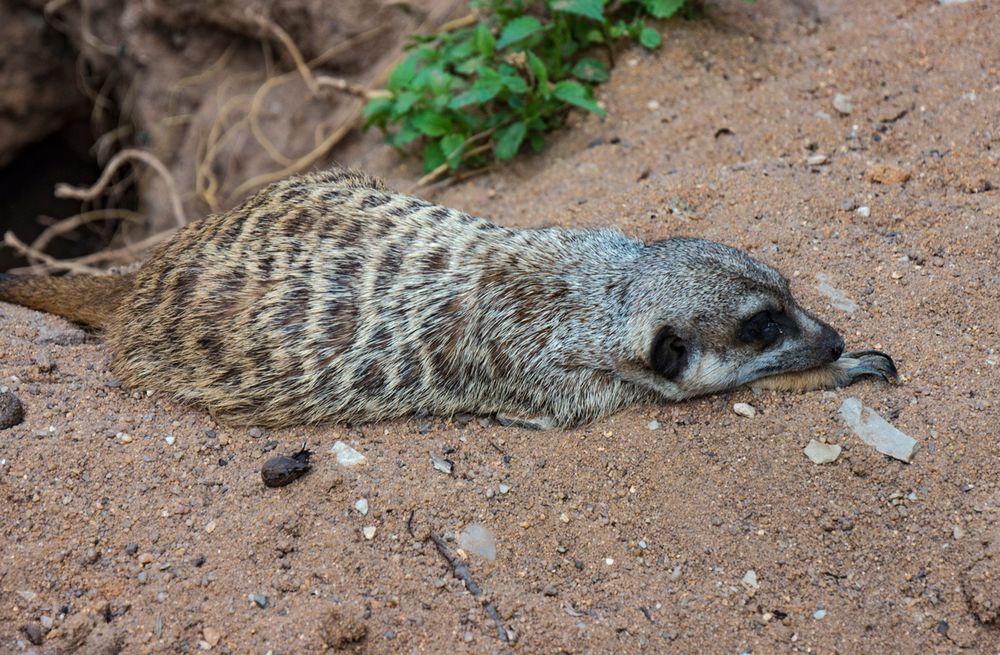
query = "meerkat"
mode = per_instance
[{"x": 327, "y": 297}]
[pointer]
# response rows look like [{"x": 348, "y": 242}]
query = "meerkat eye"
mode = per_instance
[
  {"x": 762, "y": 329},
  {"x": 668, "y": 355}
]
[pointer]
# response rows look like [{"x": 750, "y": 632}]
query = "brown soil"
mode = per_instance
[{"x": 613, "y": 537}]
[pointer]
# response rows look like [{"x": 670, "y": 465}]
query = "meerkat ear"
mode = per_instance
[{"x": 668, "y": 356}]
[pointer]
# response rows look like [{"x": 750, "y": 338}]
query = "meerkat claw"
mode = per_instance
[{"x": 873, "y": 363}]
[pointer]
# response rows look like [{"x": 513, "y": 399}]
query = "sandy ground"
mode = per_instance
[{"x": 130, "y": 522}]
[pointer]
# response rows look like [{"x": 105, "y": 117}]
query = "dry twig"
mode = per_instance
[
  {"x": 67, "y": 191},
  {"x": 69, "y": 224},
  {"x": 462, "y": 572},
  {"x": 51, "y": 262}
]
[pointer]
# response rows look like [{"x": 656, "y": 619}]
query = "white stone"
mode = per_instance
[
  {"x": 877, "y": 432},
  {"x": 346, "y": 456},
  {"x": 369, "y": 532},
  {"x": 477, "y": 539},
  {"x": 745, "y": 409},
  {"x": 822, "y": 453}
]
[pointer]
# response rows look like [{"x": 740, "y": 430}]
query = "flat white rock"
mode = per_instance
[
  {"x": 745, "y": 409},
  {"x": 822, "y": 453},
  {"x": 346, "y": 456},
  {"x": 476, "y": 538},
  {"x": 837, "y": 297},
  {"x": 877, "y": 432}
]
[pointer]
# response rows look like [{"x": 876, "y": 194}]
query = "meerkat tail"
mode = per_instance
[{"x": 85, "y": 299}]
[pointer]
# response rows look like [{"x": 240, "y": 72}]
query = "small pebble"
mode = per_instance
[
  {"x": 255, "y": 433},
  {"x": 260, "y": 600},
  {"x": 653, "y": 425},
  {"x": 817, "y": 160},
  {"x": 819, "y": 614},
  {"x": 863, "y": 211},
  {"x": 46, "y": 622},
  {"x": 504, "y": 488},
  {"x": 476, "y": 538},
  {"x": 346, "y": 456},
  {"x": 744, "y": 409},
  {"x": 11, "y": 410},
  {"x": 441, "y": 464},
  {"x": 822, "y": 453},
  {"x": 210, "y": 526},
  {"x": 369, "y": 532},
  {"x": 212, "y": 636},
  {"x": 642, "y": 544},
  {"x": 131, "y": 549},
  {"x": 362, "y": 506},
  {"x": 490, "y": 493},
  {"x": 35, "y": 633},
  {"x": 842, "y": 104},
  {"x": 170, "y": 439},
  {"x": 550, "y": 590},
  {"x": 750, "y": 580}
]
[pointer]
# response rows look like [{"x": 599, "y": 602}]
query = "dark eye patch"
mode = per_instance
[{"x": 766, "y": 328}]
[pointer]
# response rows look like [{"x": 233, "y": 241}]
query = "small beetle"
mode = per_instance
[{"x": 283, "y": 469}]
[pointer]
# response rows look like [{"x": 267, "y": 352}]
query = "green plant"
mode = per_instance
[{"x": 484, "y": 91}]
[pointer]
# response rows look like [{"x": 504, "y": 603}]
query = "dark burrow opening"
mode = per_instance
[{"x": 29, "y": 205}]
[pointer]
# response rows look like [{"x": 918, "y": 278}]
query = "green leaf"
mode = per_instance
[
  {"x": 663, "y": 8},
  {"x": 509, "y": 140},
  {"x": 650, "y": 38},
  {"x": 518, "y": 29},
  {"x": 541, "y": 73},
  {"x": 590, "y": 70},
  {"x": 483, "y": 89},
  {"x": 451, "y": 147},
  {"x": 404, "y": 102},
  {"x": 376, "y": 108},
  {"x": 402, "y": 74},
  {"x": 406, "y": 134},
  {"x": 431, "y": 123},
  {"x": 485, "y": 42},
  {"x": 515, "y": 83},
  {"x": 589, "y": 8},
  {"x": 576, "y": 94},
  {"x": 537, "y": 141},
  {"x": 462, "y": 49},
  {"x": 433, "y": 157}
]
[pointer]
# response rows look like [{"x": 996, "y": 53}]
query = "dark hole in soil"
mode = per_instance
[{"x": 29, "y": 205}]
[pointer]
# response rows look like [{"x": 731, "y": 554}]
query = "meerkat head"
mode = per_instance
[{"x": 704, "y": 317}]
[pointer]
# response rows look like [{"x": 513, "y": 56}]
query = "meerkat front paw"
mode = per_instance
[
  {"x": 866, "y": 363},
  {"x": 844, "y": 372}
]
